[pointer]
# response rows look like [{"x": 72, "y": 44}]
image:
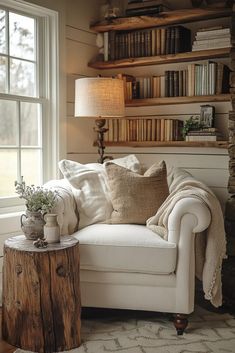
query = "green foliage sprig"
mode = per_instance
[
  {"x": 37, "y": 198},
  {"x": 193, "y": 123}
]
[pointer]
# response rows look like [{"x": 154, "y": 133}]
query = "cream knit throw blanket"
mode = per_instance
[{"x": 209, "y": 253}]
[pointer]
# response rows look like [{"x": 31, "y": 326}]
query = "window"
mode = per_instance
[{"x": 28, "y": 109}]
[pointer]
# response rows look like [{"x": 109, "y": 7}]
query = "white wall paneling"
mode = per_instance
[{"x": 81, "y": 135}]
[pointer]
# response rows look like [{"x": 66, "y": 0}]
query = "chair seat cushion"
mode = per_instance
[{"x": 125, "y": 248}]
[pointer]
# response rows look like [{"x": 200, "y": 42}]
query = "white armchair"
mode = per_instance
[{"x": 129, "y": 266}]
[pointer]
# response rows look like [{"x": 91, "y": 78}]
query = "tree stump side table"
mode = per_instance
[{"x": 41, "y": 295}]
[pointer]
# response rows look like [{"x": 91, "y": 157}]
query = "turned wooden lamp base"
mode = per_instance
[
  {"x": 101, "y": 130},
  {"x": 180, "y": 322}
]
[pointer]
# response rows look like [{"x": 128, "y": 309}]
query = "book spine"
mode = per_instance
[
  {"x": 189, "y": 90},
  {"x": 215, "y": 32},
  {"x": 201, "y": 138},
  {"x": 154, "y": 87},
  {"x": 129, "y": 44},
  {"x": 163, "y": 41},
  {"x": 137, "y": 43},
  {"x": 121, "y": 45},
  {"x": 153, "y": 42},
  {"x": 158, "y": 41},
  {"x": 158, "y": 130},
  {"x": 176, "y": 83},
  {"x": 112, "y": 45},
  {"x": 172, "y": 40},
  {"x": 167, "y": 83},
  {"x": 168, "y": 40},
  {"x": 148, "y": 51},
  {"x": 225, "y": 79},
  {"x": 106, "y": 46},
  {"x": 162, "y": 86},
  {"x": 177, "y": 39},
  {"x": 185, "y": 82},
  {"x": 171, "y": 83},
  {"x": 219, "y": 75},
  {"x": 180, "y": 83},
  {"x": 186, "y": 39},
  {"x": 132, "y": 52},
  {"x": 162, "y": 133}
]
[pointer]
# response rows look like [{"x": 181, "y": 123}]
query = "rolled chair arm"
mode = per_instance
[{"x": 197, "y": 212}]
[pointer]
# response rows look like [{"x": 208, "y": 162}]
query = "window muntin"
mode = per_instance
[{"x": 20, "y": 106}]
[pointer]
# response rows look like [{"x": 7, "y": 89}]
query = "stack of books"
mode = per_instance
[
  {"x": 208, "y": 78},
  {"x": 212, "y": 38},
  {"x": 146, "y": 7},
  {"x": 142, "y": 87},
  {"x": 150, "y": 87},
  {"x": 176, "y": 83},
  {"x": 205, "y": 134},
  {"x": 140, "y": 130},
  {"x": 148, "y": 42}
]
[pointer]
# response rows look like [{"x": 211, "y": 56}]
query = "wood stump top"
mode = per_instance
[{"x": 20, "y": 243}]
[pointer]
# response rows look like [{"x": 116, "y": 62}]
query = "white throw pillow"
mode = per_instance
[{"x": 90, "y": 187}]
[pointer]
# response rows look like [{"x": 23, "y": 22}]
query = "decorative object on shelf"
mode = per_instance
[
  {"x": 40, "y": 243},
  {"x": 147, "y": 8},
  {"x": 51, "y": 228},
  {"x": 100, "y": 98},
  {"x": 201, "y": 128},
  {"x": 192, "y": 123},
  {"x": 38, "y": 201},
  {"x": 207, "y": 115},
  {"x": 111, "y": 9}
]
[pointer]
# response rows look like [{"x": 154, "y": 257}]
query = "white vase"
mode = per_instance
[{"x": 51, "y": 228}]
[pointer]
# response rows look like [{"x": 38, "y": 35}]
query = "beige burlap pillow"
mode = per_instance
[{"x": 136, "y": 197}]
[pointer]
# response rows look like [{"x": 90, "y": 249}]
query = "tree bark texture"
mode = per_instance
[{"x": 41, "y": 295}]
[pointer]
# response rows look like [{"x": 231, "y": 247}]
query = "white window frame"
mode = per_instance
[{"x": 49, "y": 72}]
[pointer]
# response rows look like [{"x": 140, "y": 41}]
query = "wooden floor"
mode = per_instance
[{"x": 4, "y": 347}]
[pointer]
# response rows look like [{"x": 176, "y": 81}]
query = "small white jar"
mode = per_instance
[{"x": 51, "y": 228}]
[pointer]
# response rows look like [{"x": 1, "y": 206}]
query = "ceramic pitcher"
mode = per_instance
[{"x": 32, "y": 224}]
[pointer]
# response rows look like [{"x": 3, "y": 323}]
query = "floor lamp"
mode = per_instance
[{"x": 100, "y": 98}]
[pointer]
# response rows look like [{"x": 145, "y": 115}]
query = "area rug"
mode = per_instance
[{"x": 137, "y": 332}]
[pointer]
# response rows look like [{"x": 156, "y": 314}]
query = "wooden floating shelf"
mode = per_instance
[
  {"x": 162, "y": 59},
  {"x": 217, "y": 144},
  {"x": 162, "y": 19},
  {"x": 178, "y": 100}
]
